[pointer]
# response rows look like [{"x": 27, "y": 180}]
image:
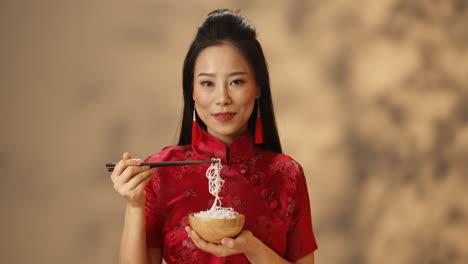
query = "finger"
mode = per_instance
[
  {"x": 239, "y": 243},
  {"x": 218, "y": 250},
  {"x": 195, "y": 238},
  {"x": 228, "y": 242},
  {"x": 117, "y": 168},
  {"x": 140, "y": 180},
  {"x": 214, "y": 249},
  {"x": 123, "y": 165},
  {"x": 194, "y": 235},
  {"x": 131, "y": 172},
  {"x": 116, "y": 172},
  {"x": 126, "y": 156},
  {"x": 136, "y": 192}
]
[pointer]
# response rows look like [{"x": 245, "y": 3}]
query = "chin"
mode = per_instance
[{"x": 226, "y": 132}]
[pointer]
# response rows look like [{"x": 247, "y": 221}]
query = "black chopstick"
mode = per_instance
[{"x": 110, "y": 166}]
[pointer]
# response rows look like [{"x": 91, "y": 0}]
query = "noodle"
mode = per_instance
[{"x": 214, "y": 185}]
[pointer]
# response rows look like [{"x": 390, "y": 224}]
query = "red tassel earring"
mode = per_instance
[
  {"x": 196, "y": 129},
  {"x": 258, "y": 126}
]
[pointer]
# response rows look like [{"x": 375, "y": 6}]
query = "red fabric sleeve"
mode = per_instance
[
  {"x": 300, "y": 237},
  {"x": 153, "y": 216}
]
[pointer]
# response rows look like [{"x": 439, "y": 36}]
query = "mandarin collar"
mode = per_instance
[{"x": 240, "y": 149}]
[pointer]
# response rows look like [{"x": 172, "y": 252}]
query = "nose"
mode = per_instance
[{"x": 222, "y": 95}]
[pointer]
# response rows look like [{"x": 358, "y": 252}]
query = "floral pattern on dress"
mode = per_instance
[{"x": 267, "y": 187}]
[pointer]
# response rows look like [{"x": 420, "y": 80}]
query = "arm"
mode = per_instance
[
  {"x": 133, "y": 244},
  {"x": 254, "y": 249},
  {"x": 260, "y": 253},
  {"x": 129, "y": 181}
]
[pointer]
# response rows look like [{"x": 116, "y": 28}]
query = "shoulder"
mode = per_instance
[
  {"x": 284, "y": 170},
  {"x": 171, "y": 153},
  {"x": 281, "y": 161}
]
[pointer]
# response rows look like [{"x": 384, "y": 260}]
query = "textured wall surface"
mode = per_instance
[{"x": 371, "y": 98}]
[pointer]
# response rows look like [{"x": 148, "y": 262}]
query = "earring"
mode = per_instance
[
  {"x": 258, "y": 126},
  {"x": 196, "y": 129}
]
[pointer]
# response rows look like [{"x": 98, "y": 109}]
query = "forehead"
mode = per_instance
[{"x": 220, "y": 59}]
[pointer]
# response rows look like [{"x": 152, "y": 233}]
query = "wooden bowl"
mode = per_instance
[{"x": 213, "y": 230}]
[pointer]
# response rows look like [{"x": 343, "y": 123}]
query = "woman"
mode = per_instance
[{"x": 226, "y": 84}]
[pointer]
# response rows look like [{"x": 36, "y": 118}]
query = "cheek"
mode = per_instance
[
  {"x": 195, "y": 93},
  {"x": 247, "y": 101},
  {"x": 200, "y": 98},
  {"x": 247, "y": 108}
]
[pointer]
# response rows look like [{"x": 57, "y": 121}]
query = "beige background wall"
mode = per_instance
[{"x": 371, "y": 98}]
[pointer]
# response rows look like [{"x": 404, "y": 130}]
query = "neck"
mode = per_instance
[{"x": 227, "y": 139}]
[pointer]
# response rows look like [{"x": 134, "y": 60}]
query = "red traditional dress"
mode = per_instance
[{"x": 269, "y": 188}]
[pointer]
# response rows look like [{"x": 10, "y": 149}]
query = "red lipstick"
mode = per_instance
[{"x": 224, "y": 116}]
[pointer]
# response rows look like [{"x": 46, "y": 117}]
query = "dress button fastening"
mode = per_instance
[{"x": 274, "y": 204}]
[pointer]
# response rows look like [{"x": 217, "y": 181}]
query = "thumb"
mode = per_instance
[
  {"x": 228, "y": 242},
  {"x": 126, "y": 156}
]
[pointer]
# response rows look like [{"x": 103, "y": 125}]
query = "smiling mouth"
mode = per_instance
[{"x": 226, "y": 116}]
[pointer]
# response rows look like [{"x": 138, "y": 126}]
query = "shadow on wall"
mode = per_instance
[{"x": 408, "y": 140}]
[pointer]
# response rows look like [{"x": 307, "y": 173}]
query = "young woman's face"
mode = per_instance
[{"x": 224, "y": 91}]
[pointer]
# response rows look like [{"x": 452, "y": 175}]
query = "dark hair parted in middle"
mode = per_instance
[{"x": 220, "y": 27}]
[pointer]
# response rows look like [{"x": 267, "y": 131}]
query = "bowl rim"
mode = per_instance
[{"x": 240, "y": 216}]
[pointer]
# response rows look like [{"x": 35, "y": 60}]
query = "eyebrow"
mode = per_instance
[{"x": 212, "y": 74}]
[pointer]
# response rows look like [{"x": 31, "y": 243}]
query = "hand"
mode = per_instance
[
  {"x": 243, "y": 243},
  {"x": 130, "y": 179}
]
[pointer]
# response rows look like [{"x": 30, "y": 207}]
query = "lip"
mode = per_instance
[{"x": 224, "y": 116}]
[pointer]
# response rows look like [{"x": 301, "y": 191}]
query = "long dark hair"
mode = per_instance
[{"x": 220, "y": 27}]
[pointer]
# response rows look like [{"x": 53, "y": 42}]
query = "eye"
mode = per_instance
[
  {"x": 237, "y": 82},
  {"x": 207, "y": 83}
]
